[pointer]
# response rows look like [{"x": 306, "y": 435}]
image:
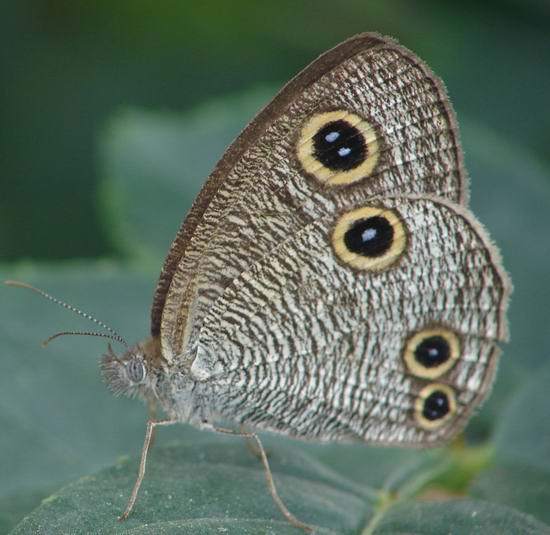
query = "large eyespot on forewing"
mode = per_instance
[
  {"x": 338, "y": 148},
  {"x": 369, "y": 238}
]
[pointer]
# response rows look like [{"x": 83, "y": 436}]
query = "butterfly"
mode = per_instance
[{"x": 329, "y": 282}]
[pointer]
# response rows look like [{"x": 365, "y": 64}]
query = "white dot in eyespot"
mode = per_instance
[
  {"x": 332, "y": 137},
  {"x": 368, "y": 234},
  {"x": 344, "y": 151}
]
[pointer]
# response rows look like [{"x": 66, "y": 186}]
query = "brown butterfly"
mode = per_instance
[{"x": 329, "y": 282}]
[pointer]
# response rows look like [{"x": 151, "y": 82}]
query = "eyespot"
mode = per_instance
[
  {"x": 338, "y": 147},
  {"x": 135, "y": 370},
  {"x": 431, "y": 352},
  {"x": 435, "y": 405},
  {"x": 369, "y": 238}
]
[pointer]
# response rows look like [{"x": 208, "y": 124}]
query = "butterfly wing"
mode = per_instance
[
  {"x": 328, "y": 281},
  {"x": 270, "y": 184},
  {"x": 312, "y": 342}
]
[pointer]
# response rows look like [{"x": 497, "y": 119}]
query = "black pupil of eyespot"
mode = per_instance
[
  {"x": 340, "y": 146},
  {"x": 436, "y": 406},
  {"x": 432, "y": 351},
  {"x": 369, "y": 237}
]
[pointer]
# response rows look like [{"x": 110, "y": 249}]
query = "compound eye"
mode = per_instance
[{"x": 135, "y": 370}]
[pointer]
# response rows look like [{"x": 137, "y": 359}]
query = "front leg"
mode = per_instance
[{"x": 151, "y": 424}]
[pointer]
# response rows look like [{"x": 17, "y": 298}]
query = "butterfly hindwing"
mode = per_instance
[{"x": 305, "y": 343}]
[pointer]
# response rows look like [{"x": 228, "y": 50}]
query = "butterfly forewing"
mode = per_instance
[{"x": 261, "y": 190}]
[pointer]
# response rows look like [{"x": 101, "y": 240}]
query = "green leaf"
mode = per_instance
[
  {"x": 523, "y": 431},
  {"x": 14, "y": 507},
  {"x": 199, "y": 488},
  {"x": 519, "y": 486},
  {"x": 466, "y": 517},
  {"x": 521, "y": 475}
]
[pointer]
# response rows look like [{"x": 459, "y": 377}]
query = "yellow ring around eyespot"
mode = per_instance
[
  {"x": 419, "y": 406},
  {"x": 416, "y": 368},
  {"x": 306, "y": 152},
  {"x": 374, "y": 263}
]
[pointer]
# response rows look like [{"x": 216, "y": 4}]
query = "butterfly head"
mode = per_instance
[{"x": 129, "y": 374}]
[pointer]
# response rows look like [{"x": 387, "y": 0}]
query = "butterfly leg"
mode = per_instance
[
  {"x": 152, "y": 416},
  {"x": 251, "y": 445},
  {"x": 269, "y": 476},
  {"x": 151, "y": 424}
]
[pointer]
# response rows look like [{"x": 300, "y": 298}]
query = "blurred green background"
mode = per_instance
[
  {"x": 68, "y": 65},
  {"x": 112, "y": 115}
]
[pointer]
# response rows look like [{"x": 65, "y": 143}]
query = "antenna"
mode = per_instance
[
  {"x": 113, "y": 334},
  {"x": 77, "y": 333}
]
